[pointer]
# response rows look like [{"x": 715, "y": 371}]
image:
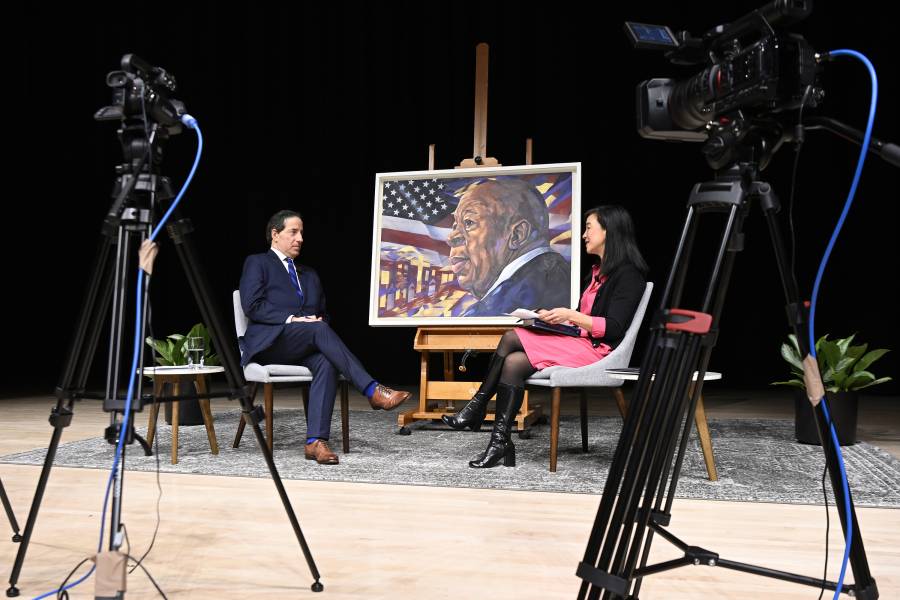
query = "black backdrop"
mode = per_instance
[{"x": 301, "y": 104}]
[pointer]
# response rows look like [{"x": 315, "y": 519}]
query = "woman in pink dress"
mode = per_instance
[{"x": 614, "y": 289}]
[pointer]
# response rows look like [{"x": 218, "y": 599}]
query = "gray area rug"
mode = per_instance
[{"x": 758, "y": 460}]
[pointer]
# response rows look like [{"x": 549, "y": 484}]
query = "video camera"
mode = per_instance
[
  {"x": 148, "y": 117},
  {"x": 139, "y": 89},
  {"x": 753, "y": 71}
]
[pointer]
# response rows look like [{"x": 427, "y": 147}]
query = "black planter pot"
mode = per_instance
[
  {"x": 188, "y": 413},
  {"x": 842, "y": 406}
]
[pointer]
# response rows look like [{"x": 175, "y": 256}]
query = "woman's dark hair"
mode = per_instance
[
  {"x": 621, "y": 247},
  {"x": 277, "y": 220}
]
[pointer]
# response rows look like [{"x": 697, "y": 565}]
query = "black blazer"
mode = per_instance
[{"x": 617, "y": 300}]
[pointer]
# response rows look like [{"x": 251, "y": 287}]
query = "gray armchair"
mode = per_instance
[
  {"x": 269, "y": 375},
  {"x": 594, "y": 375}
]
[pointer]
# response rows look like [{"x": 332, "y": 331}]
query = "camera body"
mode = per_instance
[
  {"x": 147, "y": 117},
  {"x": 139, "y": 90},
  {"x": 752, "y": 72}
]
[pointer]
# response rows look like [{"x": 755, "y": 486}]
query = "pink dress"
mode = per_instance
[{"x": 550, "y": 349}]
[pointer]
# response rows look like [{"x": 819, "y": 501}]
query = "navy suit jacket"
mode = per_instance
[
  {"x": 268, "y": 298},
  {"x": 542, "y": 282}
]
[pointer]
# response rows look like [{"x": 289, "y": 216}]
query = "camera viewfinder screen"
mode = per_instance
[{"x": 650, "y": 36}]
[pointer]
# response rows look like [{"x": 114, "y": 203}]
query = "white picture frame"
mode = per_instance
[{"x": 432, "y": 265}]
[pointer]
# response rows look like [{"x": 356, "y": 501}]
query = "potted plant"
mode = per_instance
[
  {"x": 845, "y": 371},
  {"x": 172, "y": 351}
]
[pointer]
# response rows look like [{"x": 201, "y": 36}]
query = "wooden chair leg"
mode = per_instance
[
  {"x": 175, "y": 404},
  {"x": 584, "y": 422},
  {"x": 554, "y": 428},
  {"x": 207, "y": 415},
  {"x": 705, "y": 441},
  {"x": 269, "y": 394},
  {"x": 239, "y": 433},
  {"x": 241, "y": 423},
  {"x": 345, "y": 415},
  {"x": 620, "y": 401}
]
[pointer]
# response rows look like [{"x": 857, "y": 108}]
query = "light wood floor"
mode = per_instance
[{"x": 228, "y": 537}]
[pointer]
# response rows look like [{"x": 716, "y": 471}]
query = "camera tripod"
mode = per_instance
[
  {"x": 127, "y": 224},
  {"x": 640, "y": 487},
  {"x": 17, "y": 537}
]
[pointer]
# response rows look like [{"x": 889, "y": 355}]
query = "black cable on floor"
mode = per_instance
[
  {"x": 827, "y": 520},
  {"x": 158, "y": 500},
  {"x": 156, "y": 454},
  {"x": 150, "y": 577},
  {"x": 827, "y": 527},
  {"x": 62, "y": 594}
]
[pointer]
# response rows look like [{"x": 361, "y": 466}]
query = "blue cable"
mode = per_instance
[
  {"x": 812, "y": 313},
  {"x": 191, "y": 122}
]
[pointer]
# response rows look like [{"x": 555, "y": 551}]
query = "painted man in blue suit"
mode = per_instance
[
  {"x": 285, "y": 304},
  {"x": 500, "y": 250}
]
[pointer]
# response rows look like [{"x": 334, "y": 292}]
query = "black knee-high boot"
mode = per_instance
[
  {"x": 472, "y": 414},
  {"x": 509, "y": 401}
]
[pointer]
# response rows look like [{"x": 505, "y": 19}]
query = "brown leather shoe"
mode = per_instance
[
  {"x": 321, "y": 453},
  {"x": 386, "y": 398}
]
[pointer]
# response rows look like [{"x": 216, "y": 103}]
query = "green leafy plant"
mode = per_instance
[
  {"x": 844, "y": 368},
  {"x": 171, "y": 350}
]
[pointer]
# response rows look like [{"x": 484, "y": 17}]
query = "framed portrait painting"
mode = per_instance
[{"x": 469, "y": 246}]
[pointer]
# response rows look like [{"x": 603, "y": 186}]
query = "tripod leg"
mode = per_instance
[
  {"x": 9, "y": 513},
  {"x": 673, "y": 382},
  {"x": 864, "y": 584},
  {"x": 81, "y": 351},
  {"x": 178, "y": 231},
  {"x": 60, "y": 417},
  {"x": 648, "y": 437},
  {"x": 684, "y": 394},
  {"x": 629, "y": 451},
  {"x": 621, "y": 534}
]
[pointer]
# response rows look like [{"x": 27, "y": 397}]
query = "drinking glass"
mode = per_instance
[{"x": 194, "y": 347}]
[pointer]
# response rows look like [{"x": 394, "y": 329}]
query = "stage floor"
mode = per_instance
[{"x": 228, "y": 537}]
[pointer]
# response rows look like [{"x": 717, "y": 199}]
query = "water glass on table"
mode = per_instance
[{"x": 194, "y": 347}]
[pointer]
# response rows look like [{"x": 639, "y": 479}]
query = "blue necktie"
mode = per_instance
[{"x": 294, "y": 279}]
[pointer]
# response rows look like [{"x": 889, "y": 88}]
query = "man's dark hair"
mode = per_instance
[
  {"x": 277, "y": 220},
  {"x": 621, "y": 246}
]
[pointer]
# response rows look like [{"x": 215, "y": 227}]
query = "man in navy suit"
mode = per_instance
[
  {"x": 285, "y": 305},
  {"x": 500, "y": 250}
]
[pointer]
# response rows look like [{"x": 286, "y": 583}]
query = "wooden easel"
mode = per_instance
[{"x": 448, "y": 340}]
